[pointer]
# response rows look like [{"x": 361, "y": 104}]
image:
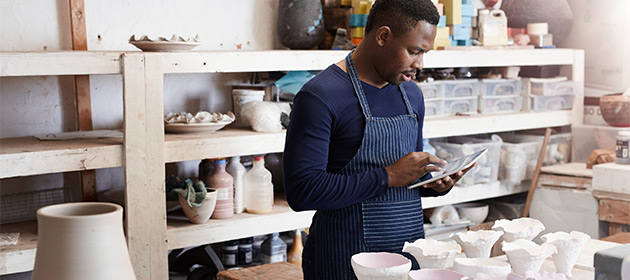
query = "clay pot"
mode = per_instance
[
  {"x": 527, "y": 256},
  {"x": 300, "y": 23},
  {"x": 374, "y": 266},
  {"x": 477, "y": 244},
  {"x": 472, "y": 266},
  {"x": 557, "y": 13},
  {"x": 81, "y": 241},
  {"x": 201, "y": 214},
  {"x": 432, "y": 274},
  {"x": 615, "y": 109}
]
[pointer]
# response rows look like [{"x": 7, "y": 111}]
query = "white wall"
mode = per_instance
[{"x": 35, "y": 105}]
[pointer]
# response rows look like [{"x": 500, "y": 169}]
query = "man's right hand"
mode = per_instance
[{"x": 411, "y": 167}]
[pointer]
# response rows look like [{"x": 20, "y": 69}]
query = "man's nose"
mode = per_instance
[{"x": 418, "y": 63}]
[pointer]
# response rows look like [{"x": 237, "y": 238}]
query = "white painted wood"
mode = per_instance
[
  {"x": 577, "y": 169},
  {"x": 181, "y": 233},
  {"x": 474, "y": 192},
  {"x": 490, "y": 58},
  {"x": 612, "y": 177},
  {"x": 144, "y": 169},
  {"x": 19, "y": 257},
  {"x": 474, "y": 124},
  {"x": 223, "y": 143},
  {"x": 26, "y": 156},
  {"x": 59, "y": 63}
]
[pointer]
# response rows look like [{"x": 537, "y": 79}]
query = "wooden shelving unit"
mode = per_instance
[{"x": 145, "y": 148}]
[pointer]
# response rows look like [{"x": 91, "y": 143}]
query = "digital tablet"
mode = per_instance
[{"x": 452, "y": 167}]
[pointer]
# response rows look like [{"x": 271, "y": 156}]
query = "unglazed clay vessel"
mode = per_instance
[
  {"x": 201, "y": 214},
  {"x": 472, "y": 266},
  {"x": 543, "y": 275},
  {"x": 381, "y": 265},
  {"x": 569, "y": 246},
  {"x": 81, "y": 241},
  {"x": 477, "y": 244},
  {"x": 432, "y": 253},
  {"x": 433, "y": 274},
  {"x": 525, "y": 255},
  {"x": 521, "y": 228}
]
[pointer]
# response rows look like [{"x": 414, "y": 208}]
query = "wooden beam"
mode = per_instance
[
  {"x": 82, "y": 91},
  {"x": 614, "y": 211}
]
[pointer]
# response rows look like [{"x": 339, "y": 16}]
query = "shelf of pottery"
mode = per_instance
[{"x": 145, "y": 148}]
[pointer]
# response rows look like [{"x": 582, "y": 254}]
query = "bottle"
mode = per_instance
[
  {"x": 273, "y": 163},
  {"x": 295, "y": 255},
  {"x": 237, "y": 170},
  {"x": 206, "y": 166},
  {"x": 245, "y": 251},
  {"x": 258, "y": 188},
  {"x": 224, "y": 185},
  {"x": 256, "y": 249},
  {"x": 229, "y": 251},
  {"x": 622, "y": 149},
  {"x": 274, "y": 249}
]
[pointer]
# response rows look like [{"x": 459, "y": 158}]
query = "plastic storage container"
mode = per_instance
[
  {"x": 501, "y": 87},
  {"x": 463, "y": 105},
  {"x": 274, "y": 249},
  {"x": 461, "y": 88},
  {"x": 434, "y": 107},
  {"x": 518, "y": 159},
  {"x": 487, "y": 168},
  {"x": 258, "y": 188},
  {"x": 432, "y": 90},
  {"x": 551, "y": 102},
  {"x": 558, "y": 149},
  {"x": 551, "y": 86},
  {"x": 500, "y": 103}
]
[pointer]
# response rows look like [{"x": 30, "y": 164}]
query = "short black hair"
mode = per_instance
[{"x": 401, "y": 15}]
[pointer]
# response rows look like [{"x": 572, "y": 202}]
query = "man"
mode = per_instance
[{"x": 355, "y": 141}]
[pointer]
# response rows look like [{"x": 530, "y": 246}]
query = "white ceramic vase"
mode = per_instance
[
  {"x": 432, "y": 253},
  {"x": 527, "y": 256},
  {"x": 569, "y": 246},
  {"x": 521, "y": 228},
  {"x": 477, "y": 244},
  {"x": 201, "y": 214},
  {"x": 380, "y": 265},
  {"x": 472, "y": 266},
  {"x": 81, "y": 241}
]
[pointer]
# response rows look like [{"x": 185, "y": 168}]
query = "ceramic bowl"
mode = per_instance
[
  {"x": 477, "y": 244},
  {"x": 527, "y": 256},
  {"x": 569, "y": 246},
  {"x": 433, "y": 274},
  {"x": 432, "y": 253},
  {"x": 380, "y": 265},
  {"x": 521, "y": 228},
  {"x": 476, "y": 212},
  {"x": 615, "y": 109},
  {"x": 201, "y": 214},
  {"x": 472, "y": 266}
]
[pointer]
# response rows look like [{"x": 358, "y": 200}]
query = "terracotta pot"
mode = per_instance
[
  {"x": 615, "y": 109},
  {"x": 81, "y": 241}
]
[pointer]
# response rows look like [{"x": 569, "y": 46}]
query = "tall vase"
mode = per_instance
[
  {"x": 82, "y": 240},
  {"x": 300, "y": 23}
]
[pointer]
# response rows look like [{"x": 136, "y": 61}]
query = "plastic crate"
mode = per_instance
[
  {"x": 464, "y": 105},
  {"x": 551, "y": 102},
  {"x": 461, "y": 88},
  {"x": 551, "y": 86},
  {"x": 434, "y": 107},
  {"x": 501, "y": 87},
  {"x": 487, "y": 168},
  {"x": 432, "y": 90},
  {"x": 518, "y": 159},
  {"x": 500, "y": 103},
  {"x": 558, "y": 149}
]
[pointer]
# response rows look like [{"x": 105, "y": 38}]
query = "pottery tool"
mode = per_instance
[
  {"x": 540, "y": 28},
  {"x": 532, "y": 186}
]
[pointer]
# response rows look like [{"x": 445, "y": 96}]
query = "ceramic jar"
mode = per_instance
[
  {"x": 81, "y": 241},
  {"x": 300, "y": 23}
]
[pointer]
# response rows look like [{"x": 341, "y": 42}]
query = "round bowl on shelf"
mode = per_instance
[
  {"x": 431, "y": 274},
  {"x": 380, "y": 265},
  {"x": 476, "y": 212},
  {"x": 615, "y": 109}
]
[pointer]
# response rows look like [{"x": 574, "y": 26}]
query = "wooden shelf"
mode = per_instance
[
  {"x": 19, "y": 257},
  {"x": 14, "y": 64},
  {"x": 181, "y": 233},
  {"x": 26, "y": 156},
  {"x": 474, "y": 192},
  {"x": 223, "y": 143}
]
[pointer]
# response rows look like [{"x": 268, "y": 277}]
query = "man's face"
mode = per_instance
[{"x": 401, "y": 56}]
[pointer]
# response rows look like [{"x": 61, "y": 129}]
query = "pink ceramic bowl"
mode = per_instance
[
  {"x": 380, "y": 265},
  {"x": 431, "y": 274}
]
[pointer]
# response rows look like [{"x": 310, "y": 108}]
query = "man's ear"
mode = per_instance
[{"x": 383, "y": 35}]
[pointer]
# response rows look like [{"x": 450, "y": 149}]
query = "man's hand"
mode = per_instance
[
  {"x": 447, "y": 182},
  {"x": 411, "y": 167}
]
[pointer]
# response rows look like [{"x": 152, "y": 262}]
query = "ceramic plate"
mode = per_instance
[
  {"x": 164, "y": 46},
  {"x": 194, "y": 127}
]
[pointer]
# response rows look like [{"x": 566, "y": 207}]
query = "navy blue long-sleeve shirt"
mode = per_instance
[{"x": 324, "y": 134}]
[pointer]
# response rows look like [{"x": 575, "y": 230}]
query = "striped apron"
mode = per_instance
[{"x": 380, "y": 224}]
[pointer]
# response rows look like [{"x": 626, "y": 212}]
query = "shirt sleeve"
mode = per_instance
[{"x": 308, "y": 184}]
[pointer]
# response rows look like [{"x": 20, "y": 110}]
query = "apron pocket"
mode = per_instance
[{"x": 388, "y": 224}]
